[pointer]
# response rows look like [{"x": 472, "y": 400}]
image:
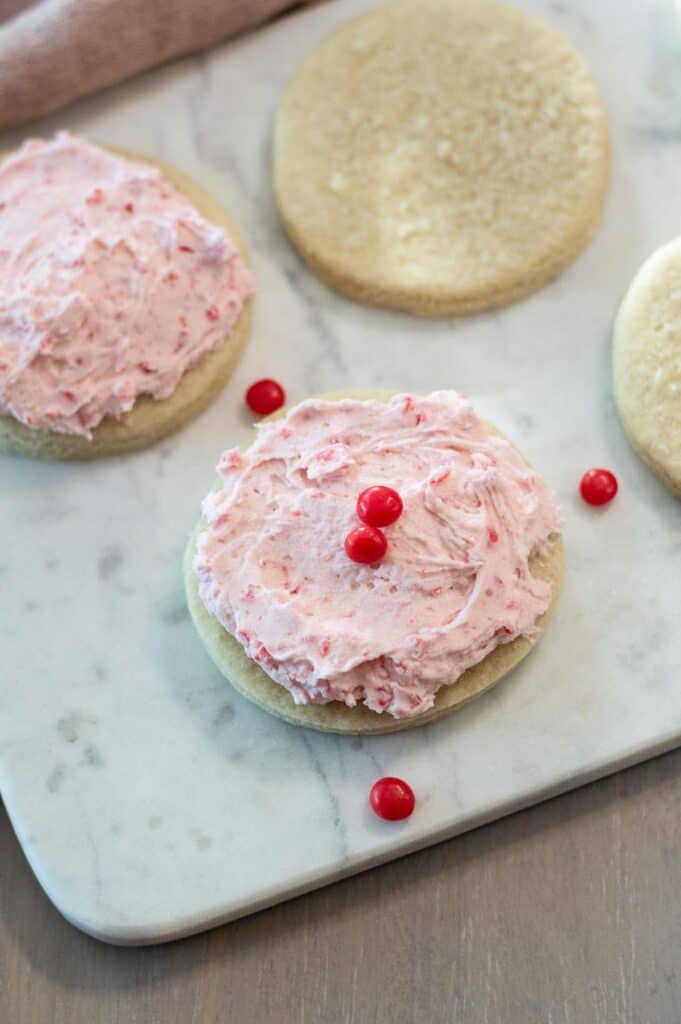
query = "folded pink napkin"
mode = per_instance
[{"x": 52, "y": 51}]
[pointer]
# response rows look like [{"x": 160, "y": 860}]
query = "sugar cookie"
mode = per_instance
[
  {"x": 125, "y": 303},
  {"x": 647, "y": 363},
  {"x": 440, "y": 156},
  {"x": 500, "y": 596}
]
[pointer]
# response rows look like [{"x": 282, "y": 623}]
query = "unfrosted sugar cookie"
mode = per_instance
[
  {"x": 304, "y": 623},
  {"x": 647, "y": 363},
  {"x": 440, "y": 156},
  {"x": 124, "y": 300}
]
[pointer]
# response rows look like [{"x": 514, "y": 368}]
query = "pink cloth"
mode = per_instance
[{"x": 53, "y": 51}]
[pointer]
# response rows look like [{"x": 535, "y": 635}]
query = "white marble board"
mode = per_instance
[{"x": 150, "y": 799}]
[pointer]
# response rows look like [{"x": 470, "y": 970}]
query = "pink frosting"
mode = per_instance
[
  {"x": 111, "y": 284},
  {"x": 453, "y": 585}
]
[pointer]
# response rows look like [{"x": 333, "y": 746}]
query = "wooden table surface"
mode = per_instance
[{"x": 567, "y": 912}]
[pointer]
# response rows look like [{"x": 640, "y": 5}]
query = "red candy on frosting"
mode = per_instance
[
  {"x": 379, "y": 506},
  {"x": 376, "y": 506},
  {"x": 366, "y": 545}
]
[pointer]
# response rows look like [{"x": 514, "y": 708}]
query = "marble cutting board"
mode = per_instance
[{"x": 150, "y": 799}]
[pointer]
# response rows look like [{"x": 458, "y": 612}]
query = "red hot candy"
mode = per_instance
[
  {"x": 265, "y": 396},
  {"x": 392, "y": 799},
  {"x": 379, "y": 506},
  {"x": 365, "y": 545},
  {"x": 598, "y": 486}
]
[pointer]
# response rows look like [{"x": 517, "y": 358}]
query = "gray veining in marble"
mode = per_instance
[{"x": 150, "y": 799}]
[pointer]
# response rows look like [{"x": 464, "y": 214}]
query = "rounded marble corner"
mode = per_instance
[{"x": 100, "y": 926}]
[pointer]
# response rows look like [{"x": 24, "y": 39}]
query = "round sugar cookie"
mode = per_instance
[
  {"x": 150, "y": 419},
  {"x": 252, "y": 682},
  {"x": 440, "y": 156},
  {"x": 646, "y": 354}
]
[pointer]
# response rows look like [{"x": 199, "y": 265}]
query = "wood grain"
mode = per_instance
[{"x": 564, "y": 914}]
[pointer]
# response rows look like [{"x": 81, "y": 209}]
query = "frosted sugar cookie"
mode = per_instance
[
  {"x": 124, "y": 300},
  {"x": 305, "y": 625},
  {"x": 440, "y": 156},
  {"x": 647, "y": 363}
]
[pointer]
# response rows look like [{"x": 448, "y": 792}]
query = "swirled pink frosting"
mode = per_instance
[
  {"x": 112, "y": 285},
  {"x": 453, "y": 585}
]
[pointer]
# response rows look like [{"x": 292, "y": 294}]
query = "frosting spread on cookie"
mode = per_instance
[
  {"x": 112, "y": 285},
  {"x": 453, "y": 585}
]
